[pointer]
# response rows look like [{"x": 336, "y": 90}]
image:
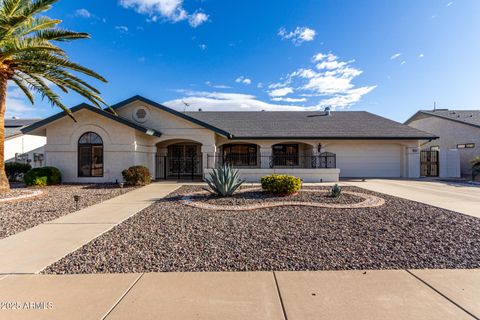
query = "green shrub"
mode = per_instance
[
  {"x": 475, "y": 167},
  {"x": 15, "y": 170},
  {"x": 51, "y": 174},
  {"x": 40, "y": 182},
  {"x": 335, "y": 191},
  {"x": 137, "y": 176},
  {"x": 281, "y": 184},
  {"x": 224, "y": 181}
]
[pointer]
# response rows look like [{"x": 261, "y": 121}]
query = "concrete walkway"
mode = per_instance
[
  {"x": 34, "y": 249},
  {"x": 387, "y": 294},
  {"x": 457, "y": 197}
]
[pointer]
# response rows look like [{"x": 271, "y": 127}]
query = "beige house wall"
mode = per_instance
[{"x": 451, "y": 133}]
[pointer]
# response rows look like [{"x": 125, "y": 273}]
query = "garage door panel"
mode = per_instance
[{"x": 368, "y": 160}]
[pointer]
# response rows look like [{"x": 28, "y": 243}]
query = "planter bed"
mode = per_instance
[
  {"x": 169, "y": 236},
  {"x": 56, "y": 201}
]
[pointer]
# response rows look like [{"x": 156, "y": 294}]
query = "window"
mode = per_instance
[
  {"x": 466, "y": 146},
  {"x": 90, "y": 155},
  {"x": 285, "y": 155},
  {"x": 240, "y": 155}
]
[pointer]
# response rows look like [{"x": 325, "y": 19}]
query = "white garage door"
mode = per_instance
[{"x": 368, "y": 160}]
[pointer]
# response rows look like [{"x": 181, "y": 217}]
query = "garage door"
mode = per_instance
[{"x": 368, "y": 160}]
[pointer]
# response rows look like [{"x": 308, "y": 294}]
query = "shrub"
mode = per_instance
[
  {"x": 475, "y": 167},
  {"x": 15, "y": 170},
  {"x": 51, "y": 174},
  {"x": 137, "y": 176},
  {"x": 40, "y": 182},
  {"x": 224, "y": 181},
  {"x": 281, "y": 184},
  {"x": 335, "y": 191}
]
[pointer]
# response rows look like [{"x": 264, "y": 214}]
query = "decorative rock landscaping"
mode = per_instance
[
  {"x": 20, "y": 194},
  {"x": 170, "y": 236},
  {"x": 198, "y": 199},
  {"x": 20, "y": 213}
]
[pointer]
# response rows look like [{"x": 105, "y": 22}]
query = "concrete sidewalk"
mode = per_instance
[
  {"x": 457, "y": 197},
  {"x": 386, "y": 294},
  {"x": 34, "y": 249}
]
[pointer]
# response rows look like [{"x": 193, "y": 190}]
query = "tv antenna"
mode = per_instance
[{"x": 186, "y": 106}]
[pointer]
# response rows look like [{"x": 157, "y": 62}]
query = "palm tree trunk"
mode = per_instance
[{"x": 4, "y": 185}]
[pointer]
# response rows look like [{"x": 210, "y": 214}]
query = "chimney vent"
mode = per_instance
[{"x": 327, "y": 111}]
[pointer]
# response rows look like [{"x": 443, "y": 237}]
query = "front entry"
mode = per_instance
[
  {"x": 183, "y": 161},
  {"x": 429, "y": 163}
]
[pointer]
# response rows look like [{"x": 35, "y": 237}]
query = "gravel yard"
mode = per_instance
[
  {"x": 56, "y": 201},
  {"x": 169, "y": 236}
]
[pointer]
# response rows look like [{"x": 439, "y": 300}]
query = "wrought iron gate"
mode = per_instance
[
  {"x": 169, "y": 167},
  {"x": 429, "y": 166}
]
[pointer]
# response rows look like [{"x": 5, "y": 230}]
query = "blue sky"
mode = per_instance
[{"x": 387, "y": 57}]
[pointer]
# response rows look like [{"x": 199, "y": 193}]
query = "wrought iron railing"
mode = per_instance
[{"x": 325, "y": 160}]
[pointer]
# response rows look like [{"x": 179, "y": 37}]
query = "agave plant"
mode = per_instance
[
  {"x": 336, "y": 191},
  {"x": 224, "y": 181}
]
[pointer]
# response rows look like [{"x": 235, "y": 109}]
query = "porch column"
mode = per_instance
[
  {"x": 208, "y": 157},
  {"x": 265, "y": 156}
]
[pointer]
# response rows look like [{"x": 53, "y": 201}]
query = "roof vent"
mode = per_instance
[
  {"x": 327, "y": 111},
  {"x": 200, "y": 110}
]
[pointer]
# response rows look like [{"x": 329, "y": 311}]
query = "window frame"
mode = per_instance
[
  {"x": 91, "y": 146},
  {"x": 251, "y": 157},
  {"x": 466, "y": 146},
  {"x": 285, "y": 159}
]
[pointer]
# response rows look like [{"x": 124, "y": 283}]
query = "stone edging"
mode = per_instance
[
  {"x": 370, "y": 201},
  {"x": 29, "y": 194}
]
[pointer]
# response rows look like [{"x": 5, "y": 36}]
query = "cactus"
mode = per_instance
[
  {"x": 336, "y": 191},
  {"x": 224, "y": 181}
]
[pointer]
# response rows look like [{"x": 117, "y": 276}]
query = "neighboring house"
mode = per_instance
[
  {"x": 457, "y": 129},
  {"x": 316, "y": 146},
  {"x": 23, "y": 147}
]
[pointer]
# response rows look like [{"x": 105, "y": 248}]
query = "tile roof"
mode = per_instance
[
  {"x": 13, "y": 127},
  {"x": 471, "y": 117}
]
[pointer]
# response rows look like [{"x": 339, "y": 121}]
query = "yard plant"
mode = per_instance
[
  {"x": 336, "y": 191},
  {"x": 281, "y": 184},
  {"x": 475, "y": 167},
  {"x": 43, "y": 176},
  {"x": 31, "y": 60},
  {"x": 15, "y": 170},
  {"x": 137, "y": 176},
  {"x": 224, "y": 181}
]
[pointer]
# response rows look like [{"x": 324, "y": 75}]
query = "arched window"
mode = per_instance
[{"x": 90, "y": 155}]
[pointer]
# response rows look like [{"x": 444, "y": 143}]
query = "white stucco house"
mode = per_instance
[
  {"x": 457, "y": 130},
  {"x": 21, "y": 147},
  {"x": 316, "y": 146}
]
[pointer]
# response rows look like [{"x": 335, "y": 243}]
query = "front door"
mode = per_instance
[{"x": 182, "y": 161}]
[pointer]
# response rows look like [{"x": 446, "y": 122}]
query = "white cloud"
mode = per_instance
[
  {"x": 330, "y": 82},
  {"x": 298, "y": 36},
  {"x": 280, "y": 92},
  {"x": 421, "y": 55},
  {"x": 203, "y": 46},
  {"x": 168, "y": 10},
  {"x": 17, "y": 104},
  {"x": 214, "y": 101},
  {"x": 217, "y": 86},
  {"x": 395, "y": 56},
  {"x": 197, "y": 19},
  {"x": 83, "y": 13},
  {"x": 123, "y": 29},
  {"x": 403, "y": 62},
  {"x": 450, "y": 3},
  {"x": 243, "y": 80},
  {"x": 293, "y": 100}
]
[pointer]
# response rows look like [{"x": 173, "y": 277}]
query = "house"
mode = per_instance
[
  {"x": 23, "y": 147},
  {"x": 458, "y": 130},
  {"x": 316, "y": 146}
]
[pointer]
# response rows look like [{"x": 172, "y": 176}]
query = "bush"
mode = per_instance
[
  {"x": 475, "y": 167},
  {"x": 281, "y": 184},
  {"x": 137, "y": 176},
  {"x": 16, "y": 170},
  {"x": 51, "y": 174},
  {"x": 224, "y": 181},
  {"x": 335, "y": 191},
  {"x": 40, "y": 182}
]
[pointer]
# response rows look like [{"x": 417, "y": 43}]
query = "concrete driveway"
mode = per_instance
[{"x": 453, "y": 196}]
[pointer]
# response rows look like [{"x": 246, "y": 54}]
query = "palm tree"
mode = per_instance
[{"x": 30, "y": 59}]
